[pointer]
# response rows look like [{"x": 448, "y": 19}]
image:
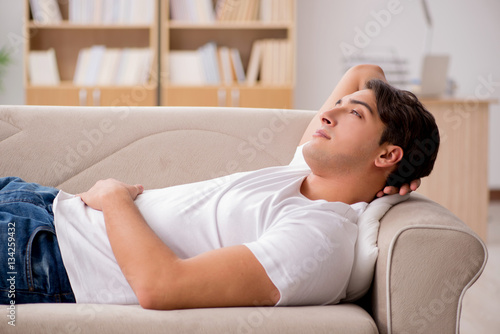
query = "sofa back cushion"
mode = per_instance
[{"x": 73, "y": 147}]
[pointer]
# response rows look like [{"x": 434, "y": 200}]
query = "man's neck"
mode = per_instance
[{"x": 348, "y": 189}]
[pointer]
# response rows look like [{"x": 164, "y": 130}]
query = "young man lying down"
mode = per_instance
[{"x": 236, "y": 241}]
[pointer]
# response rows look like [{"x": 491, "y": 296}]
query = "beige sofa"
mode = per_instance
[{"x": 427, "y": 257}]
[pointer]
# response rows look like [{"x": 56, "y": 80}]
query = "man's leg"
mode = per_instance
[{"x": 31, "y": 268}]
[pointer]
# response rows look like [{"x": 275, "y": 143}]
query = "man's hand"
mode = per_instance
[
  {"x": 405, "y": 189},
  {"x": 229, "y": 276},
  {"x": 96, "y": 195}
]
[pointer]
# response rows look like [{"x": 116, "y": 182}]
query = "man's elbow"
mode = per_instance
[
  {"x": 154, "y": 300},
  {"x": 370, "y": 71},
  {"x": 159, "y": 289}
]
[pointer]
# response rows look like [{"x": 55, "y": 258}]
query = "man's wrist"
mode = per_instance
[{"x": 115, "y": 197}]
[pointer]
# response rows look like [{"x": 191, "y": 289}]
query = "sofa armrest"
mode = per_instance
[{"x": 428, "y": 258}]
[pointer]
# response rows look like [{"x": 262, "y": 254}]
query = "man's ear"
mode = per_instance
[{"x": 389, "y": 157}]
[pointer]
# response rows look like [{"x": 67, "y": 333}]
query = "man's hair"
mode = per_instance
[{"x": 410, "y": 126}]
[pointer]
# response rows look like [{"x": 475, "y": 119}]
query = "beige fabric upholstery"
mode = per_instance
[
  {"x": 72, "y": 147},
  {"x": 117, "y": 319},
  {"x": 428, "y": 257}
]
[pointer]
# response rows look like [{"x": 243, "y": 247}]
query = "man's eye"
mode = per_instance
[{"x": 356, "y": 113}]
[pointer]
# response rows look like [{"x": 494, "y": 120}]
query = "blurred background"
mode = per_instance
[{"x": 332, "y": 33}]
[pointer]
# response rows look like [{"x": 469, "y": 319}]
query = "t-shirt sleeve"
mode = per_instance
[{"x": 308, "y": 256}]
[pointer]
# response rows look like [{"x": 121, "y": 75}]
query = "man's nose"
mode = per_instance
[{"x": 329, "y": 117}]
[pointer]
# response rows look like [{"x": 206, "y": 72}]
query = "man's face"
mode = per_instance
[{"x": 348, "y": 138}]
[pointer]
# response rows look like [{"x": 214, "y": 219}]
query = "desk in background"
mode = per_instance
[{"x": 459, "y": 180}]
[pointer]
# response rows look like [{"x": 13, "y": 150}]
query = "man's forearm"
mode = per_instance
[
  {"x": 229, "y": 276},
  {"x": 141, "y": 255},
  {"x": 352, "y": 81}
]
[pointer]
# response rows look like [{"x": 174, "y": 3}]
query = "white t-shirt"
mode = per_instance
[{"x": 305, "y": 246}]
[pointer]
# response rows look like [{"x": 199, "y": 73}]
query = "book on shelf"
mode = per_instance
[
  {"x": 195, "y": 67},
  {"x": 111, "y": 11},
  {"x": 275, "y": 10},
  {"x": 254, "y": 63},
  {"x": 186, "y": 67},
  {"x": 101, "y": 66},
  {"x": 210, "y": 62},
  {"x": 45, "y": 11},
  {"x": 270, "y": 63},
  {"x": 109, "y": 67},
  {"x": 194, "y": 11},
  {"x": 225, "y": 65},
  {"x": 239, "y": 71},
  {"x": 203, "y": 11},
  {"x": 43, "y": 68},
  {"x": 208, "y": 65},
  {"x": 241, "y": 10}
]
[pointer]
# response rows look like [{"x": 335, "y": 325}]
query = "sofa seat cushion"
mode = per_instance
[{"x": 92, "y": 318}]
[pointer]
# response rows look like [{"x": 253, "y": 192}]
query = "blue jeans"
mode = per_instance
[{"x": 31, "y": 268}]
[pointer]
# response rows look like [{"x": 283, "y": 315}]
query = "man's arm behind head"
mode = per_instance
[{"x": 353, "y": 80}]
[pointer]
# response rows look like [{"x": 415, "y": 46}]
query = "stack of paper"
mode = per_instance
[
  {"x": 209, "y": 65},
  {"x": 100, "y": 66},
  {"x": 111, "y": 11},
  {"x": 210, "y": 62},
  {"x": 194, "y": 11},
  {"x": 270, "y": 63},
  {"x": 43, "y": 68},
  {"x": 186, "y": 67}
]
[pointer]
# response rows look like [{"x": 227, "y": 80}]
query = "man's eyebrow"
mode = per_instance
[{"x": 363, "y": 104}]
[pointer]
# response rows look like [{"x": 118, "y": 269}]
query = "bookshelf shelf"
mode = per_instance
[
  {"x": 69, "y": 84},
  {"x": 65, "y": 25},
  {"x": 229, "y": 25},
  {"x": 179, "y": 36},
  {"x": 62, "y": 41},
  {"x": 235, "y": 85},
  {"x": 133, "y": 40}
]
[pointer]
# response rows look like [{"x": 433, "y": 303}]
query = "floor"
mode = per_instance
[{"x": 481, "y": 304}]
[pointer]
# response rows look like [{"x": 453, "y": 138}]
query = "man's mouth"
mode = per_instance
[{"x": 321, "y": 133}]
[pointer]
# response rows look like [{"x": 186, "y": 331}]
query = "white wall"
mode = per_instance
[
  {"x": 468, "y": 30},
  {"x": 11, "y": 36}
]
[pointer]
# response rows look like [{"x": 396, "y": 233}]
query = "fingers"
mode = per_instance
[
  {"x": 405, "y": 189},
  {"x": 139, "y": 189},
  {"x": 389, "y": 190},
  {"x": 110, "y": 186},
  {"x": 133, "y": 190},
  {"x": 415, "y": 184}
]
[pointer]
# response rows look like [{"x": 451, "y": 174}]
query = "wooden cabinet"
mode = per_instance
[
  {"x": 68, "y": 38},
  {"x": 181, "y": 35},
  {"x": 161, "y": 36},
  {"x": 236, "y": 96},
  {"x": 459, "y": 180}
]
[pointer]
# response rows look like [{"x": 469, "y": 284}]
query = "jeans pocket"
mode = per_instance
[
  {"x": 39, "y": 260},
  {"x": 45, "y": 270}
]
